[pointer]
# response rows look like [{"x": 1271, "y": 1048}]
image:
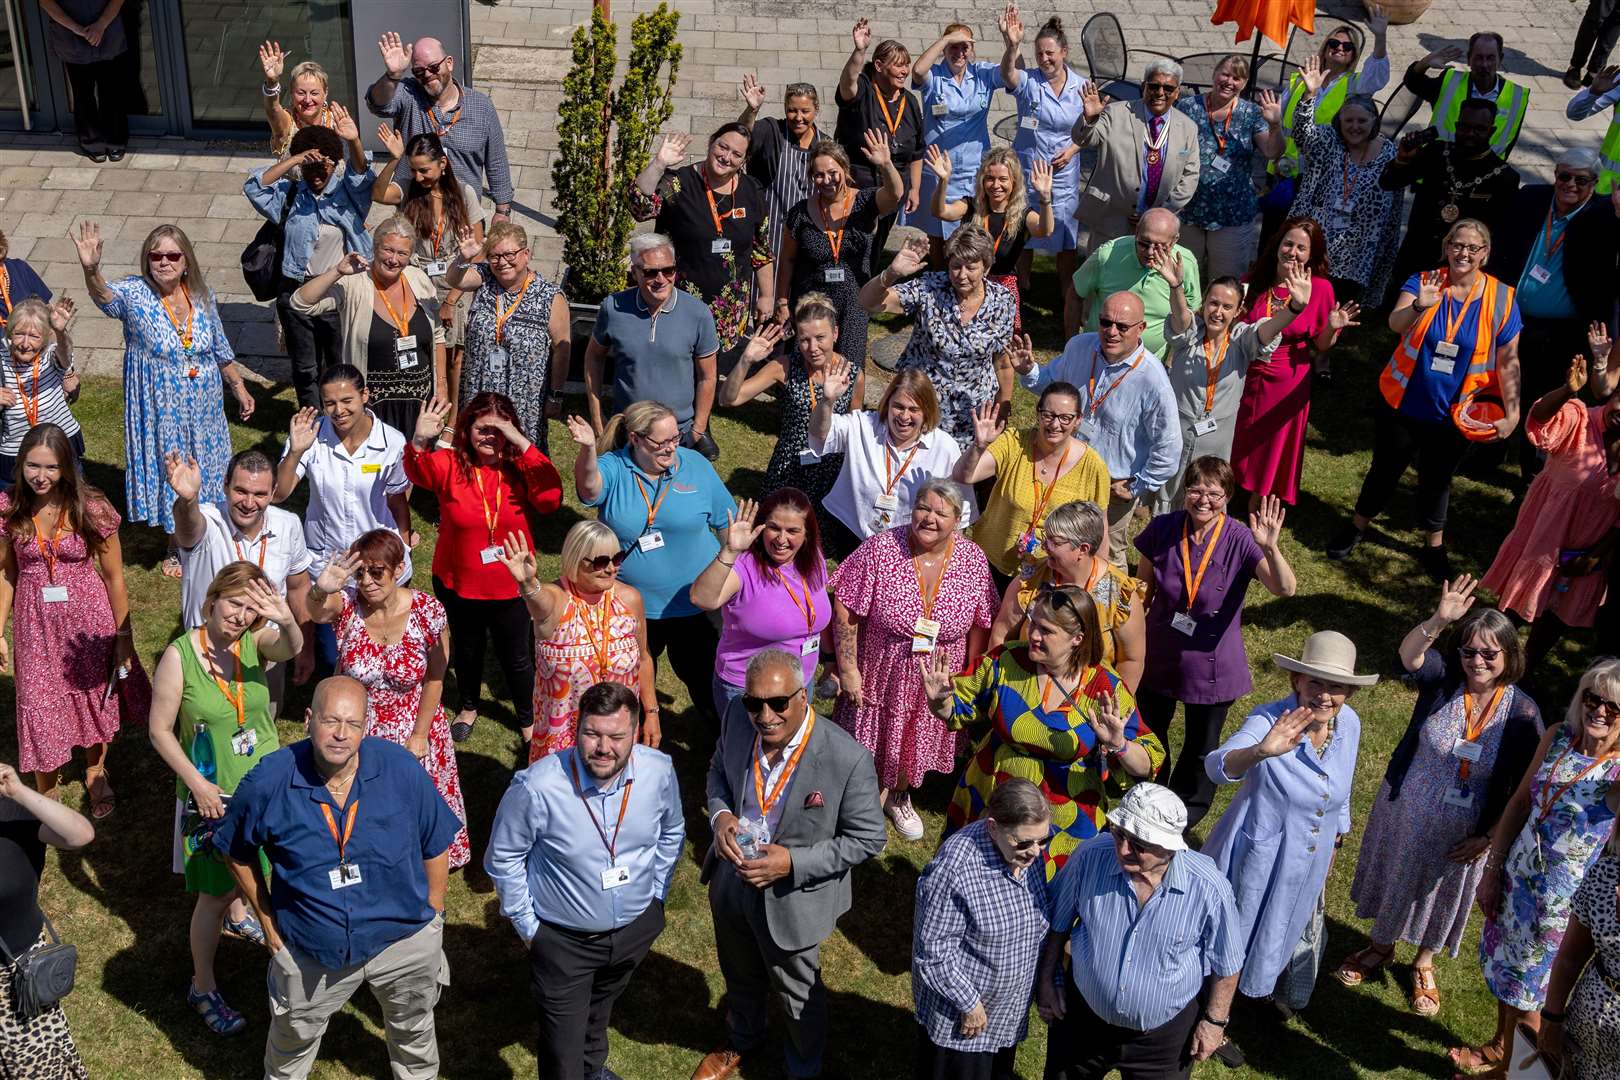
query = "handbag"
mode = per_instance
[
  {"x": 261, "y": 259},
  {"x": 134, "y": 690},
  {"x": 40, "y": 977},
  {"x": 1524, "y": 1061}
]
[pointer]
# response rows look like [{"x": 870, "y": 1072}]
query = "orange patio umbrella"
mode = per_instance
[{"x": 1272, "y": 18}]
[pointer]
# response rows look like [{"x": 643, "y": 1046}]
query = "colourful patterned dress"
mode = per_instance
[
  {"x": 577, "y": 656},
  {"x": 1046, "y": 742},
  {"x": 1569, "y": 823},
  {"x": 393, "y": 676}
]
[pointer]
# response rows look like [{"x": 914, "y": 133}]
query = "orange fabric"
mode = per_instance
[
  {"x": 1271, "y": 17},
  {"x": 1481, "y": 377}
]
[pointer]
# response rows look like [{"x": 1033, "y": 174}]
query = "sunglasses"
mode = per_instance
[
  {"x": 1159, "y": 88},
  {"x": 430, "y": 69},
  {"x": 1131, "y": 842},
  {"x": 1049, "y": 417},
  {"x": 1488, "y": 655},
  {"x": 1027, "y": 845},
  {"x": 1115, "y": 324},
  {"x": 1578, "y": 179},
  {"x": 756, "y": 705},
  {"x": 164, "y": 256},
  {"x": 505, "y": 257},
  {"x": 1340, "y": 45},
  {"x": 658, "y": 271},
  {"x": 599, "y": 563},
  {"x": 1595, "y": 704},
  {"x": 1055, "y": 596},
  {"x": 375, "y": 573}
]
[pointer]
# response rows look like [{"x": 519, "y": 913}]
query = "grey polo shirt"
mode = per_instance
[{"x": 654, "y": 354}]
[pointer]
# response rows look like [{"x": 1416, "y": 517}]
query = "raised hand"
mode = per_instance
[
  {"x": 936, "y": 676},
  {"x": 1011, "y": 26},
  {"x": 1166, "y": 263},
  {"x": 269, "y": 603},
  {"x": 1429, "y": 289},
  {"x": 344, "y": 124},
  {"x": 938, "y": 162},
  {"x": 876, "y": 147},
  {"x": 1109, "y": 725},
  {"x": 396, "y": 56},
  {"x": 1297, "y": 277},
  {"x": 183, "y": 474},
  {"x": 1040, "y": 179},
  {"x": 1021, "y": 353},
  {"x": 301, "y": 430},
  {"x": 353, "y": 263},
  {"x": 518, "y": 559},
  {"x": 672, "y": 148},
  {"x": 1442, "y": 57},
  {"x": 1270, "y": 107},
  {"x": 910, "y": 258},
  {"x": 1456, "y": 597},
  {"x": 1604, "y": 80},
  {"x": 273, "y": 61},
  {"x": 1597, "y": 339},
  {"x": 495, "y": 421},
  {"x": 837, "y": 379},
  {"x": 1266, "y": 522},
  {"x": 1343, "y": 316},
  {"x": 336, "y": 574},
  {"x": 62, "y": 310},
  {"x": 468, "y": 246},
  {"x": 580, "y": 430},
  {"x": 860, "y": 35},
  {"x": 987, "y": 424},
  {"x": 753, "y": 93},
  {"x": 1575, "y": 379},
  {"x": 763, "y": 343},
  {"x": 391, "y": 139},
  {"x": 1091, "y": 101},
  {"x": 1287, "y": 733},
  {"x": 432, "y": 420},
  {"x": 1377, "y": 20},
  {"x": 88, "y": 244},
  {"x": 1312, "y": 75},
  {"x": 741, "y": 532}
]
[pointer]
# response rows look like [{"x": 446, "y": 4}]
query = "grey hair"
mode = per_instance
[
  {"x": 767, "y": 659},
  {"x": 1078, "y": 522},
  {"x": 394, "y": 225},
  {"x": 1583, "y": 158},
  {"x": 945, "y": 489},
  {"x": 1162, "y": 65},
  {"x": 642, "y": 243},
  {"x": 1017, "y": 802}
]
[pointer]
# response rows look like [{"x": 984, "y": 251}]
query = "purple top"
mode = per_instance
[
  {"x": 766, "y": 613},
  {"x": 1209, "y": 665}
]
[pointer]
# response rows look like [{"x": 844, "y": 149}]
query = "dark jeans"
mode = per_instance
[
  {"x": 1600, "y": 28},
  {"x": 8, "y": 462},
  {"x": 101, "y": 95},
  {"x": 314, "y": 343},
  {"x": 692, "y": 641},
  {"x": 1083, "y": 1046},
  {"x": 576, "y": 976},
  {"x": 472, "y": 624},
  {"x": 1437, "y": 448},
  {"x": 1202, "y": 726}
]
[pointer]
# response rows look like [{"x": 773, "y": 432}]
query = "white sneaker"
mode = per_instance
[{"x": 904, "y": 818}]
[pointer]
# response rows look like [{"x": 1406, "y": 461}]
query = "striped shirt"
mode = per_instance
[
  {"x": 1138, "y": 965},
  {"x": 471, "y": 133},
  {"x": 976, "y": 938},
  {"x": 53, "y": 406},
  {"x": 782, "y": 168}
]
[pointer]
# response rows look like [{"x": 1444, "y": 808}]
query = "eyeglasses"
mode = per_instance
[
  {"x": 1049, "y": 417},
  {"x": 1340, "y": 45},
  {"x": 1595, "y": 704},
  {"x": 164, "y": 256},
  {"x": 658, "y": 444},
  {"x": 1027, "y": 845},
  {"x": 374, "y": 573},
  {"x": 1458, "y": 248},
  {"x": 658, "y": 271},
  {"x": 431, "y": 69},
  {"x": 1126, "y": 839},
  {"x": 1204, "y": 496},
  {"x": 1487, "y": 655},
  {"x": 755, "y": 705},
  {"x": 506, "y": 258},
  {"x": 1115, "y": 324},
  {"x": 1578, "y": 179},
  {"x": 1159, "y": 88},
  {"x": 599, "y": 563}
]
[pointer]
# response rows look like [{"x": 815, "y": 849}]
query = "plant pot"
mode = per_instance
[
  {"x": 1401, "y": 12},
  {"x": 581, "y": 321}
]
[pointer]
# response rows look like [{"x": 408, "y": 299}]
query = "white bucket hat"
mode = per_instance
[
  {"x": 1329, "y": 656},
  {"x": 1153, "y": 814}
]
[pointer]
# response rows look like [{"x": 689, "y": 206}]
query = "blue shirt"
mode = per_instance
[
  {"x": 962, "y": 127},
  {"x": 23, "y": 283},
  {"x": 1548, "y": 299},
  {"x": 401, "y": 821},
  {"x": 655, "y": 355},
  {"x": 695, "y": 503},
  {"x": 1225, "y": 197},
  {"x": 1053, "y": 115},
  {"x": 546, "y": 855},
  {"x": 1138, "y": 965},
  {"x": 1430, "y": 393},
  {"x": 343, "y": 204}
]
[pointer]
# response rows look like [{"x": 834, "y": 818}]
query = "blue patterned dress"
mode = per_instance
[
  {"x": 172, "y": 398},
  {"x": 1549, "y": 858}
]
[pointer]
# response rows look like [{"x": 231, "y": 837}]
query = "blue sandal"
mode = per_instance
[
  {"x": 220, "y": 1017},
  {"x": 247, "y": 928}
]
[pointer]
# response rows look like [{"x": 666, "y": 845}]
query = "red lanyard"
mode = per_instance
[
  {"x": 652, "y": 505},
  {"x": 1548, "y": 245},
  {"x": 624, "y": 804},
  {"x": 714, "y": 210},
  {"x": 1038, "y": 514},
  {"x": 402, "y": 324},
  {"x": 1552, "y": 800},
  {"x": 1226, "y": 129},
  {"x": 264, "y": 546},
  {"x": 348, "y": 827},
  {"x": 766, "y": 802},
  {"x": 892, "y": 121},
  {"x": 5, "y": 291},
  {"x": 599, "y": 632},
  {"x": 433, "y": 119},
  {"x": 890, "y": 477},
  {"x": 1453, "y": 324},
  {"x": 30, "y": 404},
  {"x": 836, "y": 239},
  {"x": 49, "y": 552},
  {"x": 1091, "y": 382},
  {"x": 1193, "y": 581},
  {"x": 183, "y": 332}
]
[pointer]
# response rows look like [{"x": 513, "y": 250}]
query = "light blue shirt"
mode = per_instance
[
  {"x": 1136, "y": 432},
  {"x": 962, "y": 130},
  {"x": 1548, "y": 299},
  {"x": 342, "y": 204},
  {"x": 547, "y": 856},
  {"x": 1138, "y": 965},
  {"x": 1054, "y": 116}
]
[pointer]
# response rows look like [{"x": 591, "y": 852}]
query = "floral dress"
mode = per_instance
[
  {"x": 789, "y": 467},
  {"x": 1568, "y": 825},
  {"x": 959, "y": 359},
  {"x": 393, "y": 676},
  {"x": 578, "y": 655},
  {"x": 1225, "y": 196},
  {"x": 1593, "y": 1027},
  {"x": 63, "y": 652},
  {"x": 722, "y": 279},
  {"x": 1050, "y": 743},
  {"x": 172, "y": 398},
  {"x": 878, "y": 584},
  {"x": 525, "y": 374},
  {"x": 1363, "y": 227},
  {"x": 814, "y": 257}
]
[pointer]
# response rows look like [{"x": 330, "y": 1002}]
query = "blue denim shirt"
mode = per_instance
[{"x": 343, "y": 204}]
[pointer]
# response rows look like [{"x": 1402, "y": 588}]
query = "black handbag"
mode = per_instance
[
  {"x": 261, "y": 259},
  {"x": 40, "y": 977}
]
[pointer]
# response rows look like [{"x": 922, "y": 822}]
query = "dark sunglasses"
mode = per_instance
[
  {"x": 658, "y": 271},
  {"x": 600, "y": 563},
  {"x": 1057, "y": 597},
  {"x": 1487, "y": 655},
  {"x": 430, "y": 69},
  {"x": 1340, "y": 45},
  {"x": 1579, "y": 180},
  {"x": 375, "y": 573},
  {"x": 1026, "y": 845},
  {"x": 1113, "y": 324},
  {"x": 164, "y": 256},
  {"x": 1594, "y": 703},
  {"x": 1137, "y": 845},
  {"x": 755, "y": 705},
  {"x": 1159, "y": 88}
]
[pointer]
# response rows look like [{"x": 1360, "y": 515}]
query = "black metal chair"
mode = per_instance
[
  {"x": 1198, "y": 70},
  {"x": 1108, "y": 57},
  {"x": 1398, "y": 111},
  {"x": 1272, "y": 73}
]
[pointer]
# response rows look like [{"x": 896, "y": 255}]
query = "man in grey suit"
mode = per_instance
[
  {"x": 793, "y": 801},
  {"x": 1147, "y": 155}
]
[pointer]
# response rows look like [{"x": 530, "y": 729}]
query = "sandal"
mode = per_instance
[
  {"x": 170, "y": 566},
  {"x": 247, "y": 928},
  {"x": 102, "y": 799},
  {"x": 1355, "y": 968},
  {"x": 220, "y": 1017},
  {"x": 1425, "y": 991},
  {"x": 1487, "y": 1059}
]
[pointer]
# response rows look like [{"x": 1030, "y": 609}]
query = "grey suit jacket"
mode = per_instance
[
  {"x": 826, "y": 835},
  {"x": 1111, "y": 192}
]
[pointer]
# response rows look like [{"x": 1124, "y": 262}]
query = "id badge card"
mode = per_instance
[
  {"x": 1029, "y": 123},
  {"x": 808, "y": 457},
  {"x": 1441, "y": 366},
  {"x": 615, "y": 877},
  {"x": 650, "y": 541},
  {"x": 939, "y": 108},
  {"x": 1205, "y": 426},
  {"x": 405, "y": 344},
  {"x": 491, "y": 554},
  {"x": 497, "y": 358},
  {"x": 436, "y": 268},
  {"x": 924, "y": 635},
  {"x": 1184, "y": 623},
  {"x": 1540, "y": 274},
  {"x": 54, "y": 594},
  {"x": 721, "y": 246},
  {"x": 343, "y": 875},
  {"x": 370, "y": 468},
  {"x": 1220, "y": 165},
  {"x": 1448, "y": 349},
  {"x": 1458, "y": 797},
  {"x": 889, "y": 502},
  {"x": 243, "y": 742},
  {"x": 811, "y": 646},
  {"x": 832, "y": 273},
  {"x": 1097, "y": 193},
  {"x": 1468, "y": 751}
]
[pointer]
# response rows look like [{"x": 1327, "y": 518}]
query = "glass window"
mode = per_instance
[
  {"x": 222, "y": 41},
  {"x": 10, "y": 99},
  {"x": 137, "y": 16}
]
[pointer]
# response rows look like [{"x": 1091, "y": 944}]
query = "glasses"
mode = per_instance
[
  {"x": 1159, "y": 88},
  {"x": 1595, "y": 704},
  {"x": 1056, "y": 597},
  {"x": 1205, "y": 496},
  {"x": 1115, "y": 324},
  {"x": 1488, "y": 655},
  {"x": 1340, "y": 45},
  {"x": 600, "y": 563},
  {"x": 658, "y": 271},
  {"x": 756, "y": 705},
  {"x": 164, "y": 256},
  {"x": 375, "y": 573},
  {"x": 658, "y": 445},
  {"x": 506, "y": 258},
  {"x": 1456, "y": 247},
  {"x": 1578, "y": 179},
  {"x": 430, "y": 69},
  {"x": 1129, "y": 841},
  {"x": 1049, "y": 417},
  {"x": 1027, "y": 845}
]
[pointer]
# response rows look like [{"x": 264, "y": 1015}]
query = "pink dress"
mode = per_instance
[
  {"x": 570, "y": 662},
  {"x": 1268, "y": 447},
  {"x": 394, "y": 676},
  {"x": 62, "y": 652},
  {"x": 879, "y": 585},
  {"x": 1570, "y": 504}
]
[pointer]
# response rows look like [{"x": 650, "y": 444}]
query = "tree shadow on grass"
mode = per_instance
[{"x": 880, "y": 924}]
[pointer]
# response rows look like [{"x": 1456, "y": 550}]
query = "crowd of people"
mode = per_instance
[{"x": 1019, "y": 609}]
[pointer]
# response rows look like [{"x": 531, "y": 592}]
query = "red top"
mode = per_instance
[{"x": 464, "y": 515}]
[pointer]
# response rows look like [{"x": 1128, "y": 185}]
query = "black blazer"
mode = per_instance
[{"x": 1591, "y": 246}]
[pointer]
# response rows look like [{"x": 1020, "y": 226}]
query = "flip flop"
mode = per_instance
[{"x": 170, "y": 566}]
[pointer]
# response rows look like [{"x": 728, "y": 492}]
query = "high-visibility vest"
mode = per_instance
[
  {"x": 1497, "y": 298},
  {"x": 1609, "y": 155},
  {"x": 1327, "y": 107},
  {"x": 1511, "y": 103}
]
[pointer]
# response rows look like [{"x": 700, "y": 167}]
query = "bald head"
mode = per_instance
[
  {"x": 427, "y": 50},
  {"x": 336, "y": 720},
  {"x": 1119, "y": 327},
  {"x": 338, "y": 692},
  {"x": 433, "y": 67}
]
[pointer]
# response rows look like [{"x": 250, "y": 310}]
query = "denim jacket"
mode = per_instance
[{"x": 343, "y": 204}]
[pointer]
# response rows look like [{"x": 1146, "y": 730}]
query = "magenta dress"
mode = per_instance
[
  {"x": 62, "y": 652},
  {"x": 1570, "y": 504},
  {"x": 1268, "y": 448},
  {"x": 878, "y": 584}
]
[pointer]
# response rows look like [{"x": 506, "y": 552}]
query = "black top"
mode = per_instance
[
  {"x": 385, "y": 378},
  {"x": 1012, "y": 242},
  {"x": 1488, "y": 200},
  {"x": 22, "y": 859},
  {"x": 815, "y": 252},
  {"x": 856, "y": 116},
  {"x": 1591, "y": 244}
]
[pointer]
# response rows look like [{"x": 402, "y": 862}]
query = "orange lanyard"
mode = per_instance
[
  {"x": 49, "y": 551},
  {"x": 1091, "y": 382},
  {"x": 500, "y": 496},
  {"x": 600, "y": 631},
  {"x": 348, "y": 827},
  {"x": 433, "y": 119},
  {"x": 652, "y": 505},
  {"x": 438, "y": 225},
  {"x": 890, "y": 477},
  {"x": 923, "y": 593},
  {"x": 1226, "y": 129},
  {"x": 892, "y": 121},
  {"x": 836, "y": 239},
  {"x": 402, "y": 324},
  {"x": 1096, "y": 572},
  {"x": 239, "y": 699},
  {"x": 502, "y": 314},
  {"x": 1474, "y": 723},
  {"x": 766, "y": 802},
  {"x": 1193, "y": 581},
  {"x": 714, "y": 209},
  {"x": 1038, "y": 514},
  {"x": 1548, "y": 245},
  {"x": 5, "y": 291},
  {"x": 1547, "y": 805},
  {"x": 1453, "y": 324},
  {"x": 1067, "y": 702},
  {"x": 264, "y": 546},
  {"x": 811, "y": 383},
  {"x": 1212, "y": 371},
  {"x": 30, "y": 404},
  {"x": 183, "y": 332},
  {"x": 1345, "y": 169},
  {"x": 808, "y": 607},
  {"x": 624, "y": 804}
]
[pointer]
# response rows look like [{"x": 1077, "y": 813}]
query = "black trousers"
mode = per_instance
[
  {"x": 1083, "y": 1046},
  {"x": 1400, "y": 442},
  {"x": 692, "y": 641},
  {"x": 576, "y": 977},
  {"x": 935, "y": 1062},
  {"x": 314, "y": 343},
  {"x": 101, "y": 95},
  {"x": 472, "y": 624},
  {"x": 1600, "y": 28},
  {"x": 1202, "y": 726}
]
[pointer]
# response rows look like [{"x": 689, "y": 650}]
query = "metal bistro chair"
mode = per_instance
[
  {"x": 1108, "y": 58},
  {"x": 1198, "y": 71},
  {"x": 1271, "y": 73},
  {"x": 1397, "y": 112}
]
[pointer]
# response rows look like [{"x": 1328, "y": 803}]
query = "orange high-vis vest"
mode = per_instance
[{"x": 1496, "y": 298}]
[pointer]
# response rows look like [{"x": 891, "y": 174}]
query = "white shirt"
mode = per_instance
[
  {"x": 863, "y": 438},
  {"x": 279, "y": 549},
  {"x": 348, "y": 493},
  {"x": 748, "y": 806}
]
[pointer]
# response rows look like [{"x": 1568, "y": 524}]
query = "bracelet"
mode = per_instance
[
  {"x": 723, "y": 562},
  {"x": 531, "y": 592},
  {"x": 1208, "y": 1019},
  {"x": 271, "y": 91}
]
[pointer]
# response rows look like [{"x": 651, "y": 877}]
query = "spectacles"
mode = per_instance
[
  {"x": 1049, "y": 417},
  {"x": 599, "y": 563},
  {"x": 1595, "y": 704},
  {"x": 1578, "y": 179},
  {"x": 1125, "y": 838},
  {"x": 1026, "y": 845},
  {"x": 1159, "y": 88},
  {"x": 1487, "y": 655},
  {"x": 755, "y": 705},
  {"x": 658, "y": 271},
  {"x": 1458, "y": 248},
  {"x": 1115, "y": 324},
  {"x": 1199, "y": 495},
  {"x": 430, "y": 69},
  {"x": 375, "y": 573},
  {"x": 164, "y": 256},
  {"x": 658, "y": 444},
  {"x": 505, "y": 257},
  {"x": 1340, "y": 45}
]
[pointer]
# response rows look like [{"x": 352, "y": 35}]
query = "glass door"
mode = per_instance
[{"x": 223, "y": 77}]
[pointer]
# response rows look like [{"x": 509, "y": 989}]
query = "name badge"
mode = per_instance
[
  {"x": 650, "y": 541},
  {"x": 808, "y": 457},
  {"x": 436, "y": 268},
  {"x": 1460, "y": 797},
  {"x": 1446, "y": 348},
  {"x": 722, "y": 246},
  {"x": 491, "y": 554},
  {"x": 1220, "y": 165},
  {"x": 1205, "y": 426},
  {"x": 1029, "y": 123},
  {"x": 405, "y": 344},
  {"x": 738, "y": 212},
  {"x": 890, "y": 501},
  {"x": 1442, "y": 367},
  {"x": 924, "y": 635},
  {"x": 615, "y": 877},
  {"x": 1468, "y": 751},
  {"x": 497, "y": 358},
  {"x": 1097, "y": 193},
  {"x": 1184, "y": 622},
  {"x": 1540, "y": 274},
  {"x": 343, "y": 875},
  {"x": 939, "y": 108},
  {"x": 1341, "y": 206},
  {"x": 369, "y": 468},
  {"x": 832, "y": 273},
  {"x": 243, "y": 742},
  {"x": 54, "y": 594},
  {"x": 811, "y": 646}
]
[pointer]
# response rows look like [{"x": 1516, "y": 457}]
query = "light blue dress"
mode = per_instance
[
  {"x": 1275, "y": 841},
  {"x": 1053, "y": 116},
  {"x": 956, "y": 118},
  {"x": 173, "y": 398}
]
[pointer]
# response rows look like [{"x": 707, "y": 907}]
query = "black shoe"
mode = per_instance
[
  {"x": 705, "y": 445},
  {"x": 604, "y": 1073},
  {"x": 1231, "y": 1055},
  {"x": 115, "y": 153},
  {"x": 1344, "y": 542},
  {"x": 460, "y": 730},
  {"x": 1435, "y": 563},
  {"x": 1573, "y": 80},
  {"x": 96, "y": 156}
]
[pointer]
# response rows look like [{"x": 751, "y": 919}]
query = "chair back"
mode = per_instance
[
  {"x": 1103, "y": 39},
  {"x": 1302, "y": 44},
  {"x": 1271, "y": 73},
  {"x": 1198, "y": 71},
  {"x": 1397, "y": 112}
]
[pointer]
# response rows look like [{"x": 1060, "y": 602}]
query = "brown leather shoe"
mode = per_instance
[{"x": 718, "y": 1065}]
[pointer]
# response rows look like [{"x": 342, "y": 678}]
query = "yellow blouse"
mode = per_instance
[{"x": 1012, "y": 502}]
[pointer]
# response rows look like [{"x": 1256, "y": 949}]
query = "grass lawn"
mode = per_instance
[{"x": 117, "y": 901}]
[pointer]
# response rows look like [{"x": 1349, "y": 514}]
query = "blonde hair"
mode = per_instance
[
  {"x": 584, "y": 538},
  {"x": 192, "y": 275},
  {"x": 637, "y": 419},
  {"x": 1238, "y": 63},
  {"x": 1017, "y": 200},
  {"x": 31, "y": 311},
  {"x": 309, "y": 67},
  {"x": 505, "y": 230},
  {"x": 952, "y": 28},
  {"x": 1602, "y": 678},
  {"x": 394, "y": 225},
  {"x": 233, "y": 578},
  {"x": 815, "y": 305}
]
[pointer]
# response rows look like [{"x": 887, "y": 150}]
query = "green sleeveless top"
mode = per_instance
[{"x": 202, "y": 702}]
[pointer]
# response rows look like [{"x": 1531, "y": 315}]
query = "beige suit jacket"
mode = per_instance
[{"x": 1111, "y": 193}]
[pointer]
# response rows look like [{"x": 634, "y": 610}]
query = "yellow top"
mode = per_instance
[{"x": 1006, "y": 515}]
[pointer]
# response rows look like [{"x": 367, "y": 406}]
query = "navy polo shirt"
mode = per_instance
[{"x": 402, "y": 820}]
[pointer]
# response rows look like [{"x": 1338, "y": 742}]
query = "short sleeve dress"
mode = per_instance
[
  {"x": 592, "y": 643},
  {"x": 813, "y": 259},
  {"x": 789, "y": 466},
  {"x": 959, "y": 359},
  {"x": 523, "y": 373}
]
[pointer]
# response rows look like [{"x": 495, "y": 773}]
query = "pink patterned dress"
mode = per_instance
[
  {"x": 878, "y": 584},
  {"x": 571, "y": 661},
  {"x": 1569, "y": 505},
  {"x": 393, "y": 676},
  {"x": 62, "y": 652}
]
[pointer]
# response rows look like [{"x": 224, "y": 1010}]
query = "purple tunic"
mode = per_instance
[{"x": 1209, "y": 666}]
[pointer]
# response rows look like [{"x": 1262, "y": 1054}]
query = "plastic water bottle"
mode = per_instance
[
  {"x": 748, "y": 838},
  {"x": 202, "y": 753}
]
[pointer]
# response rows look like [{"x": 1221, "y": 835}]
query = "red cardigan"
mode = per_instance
[{"x": 463, "y": 529}]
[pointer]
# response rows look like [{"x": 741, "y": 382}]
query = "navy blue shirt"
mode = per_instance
[
  {"x": 22, "y": 283},
  {"x": 402, "y": 821}
]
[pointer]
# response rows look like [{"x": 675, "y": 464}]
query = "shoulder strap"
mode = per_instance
[{"x": 10, "y": 958}]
